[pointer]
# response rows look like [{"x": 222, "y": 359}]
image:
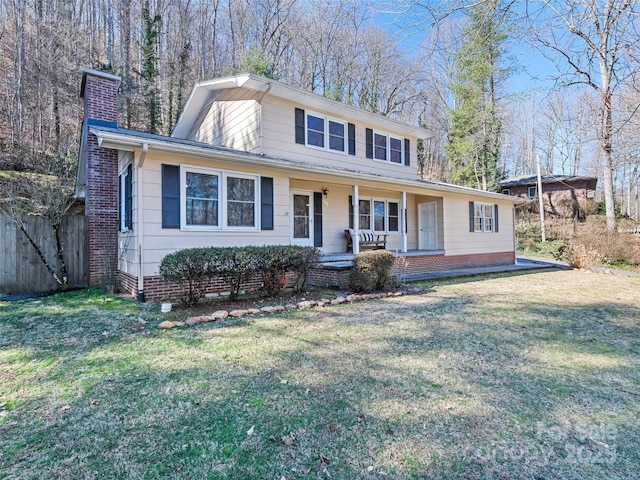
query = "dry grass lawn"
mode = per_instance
[{"x": 531, "y": 376}]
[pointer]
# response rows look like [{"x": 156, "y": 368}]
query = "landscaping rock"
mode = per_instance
[
  {"x": 192, "y": 321},
  {"x": 305, "y": 304},
  {"x": 219, "y": 315},
  {"x": 325, "y": 301},
  {"x": 196, "y": 320},
  {"x": 338, "y": 300},
  {"x": 179, "y": 324},
  {"x": 238, "y": 313},
  {"x": 253, "y": 311},
  {"x": 277, "y": 308},
  {"x": 166, "y": 325},
  {"x": 351, "y": 298},
  {"x": 290, "y": 306}
]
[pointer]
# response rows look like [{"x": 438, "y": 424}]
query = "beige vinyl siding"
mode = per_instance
[
  {"x": 335, "y": 212},
  {"x": 162, "y": 241},
  {"x": 460, "y": 241},
  {"x": 232, "y": 121},
  {"x": 128, "y": 241},
  {"x": 453, "y": 215},
  {"x": 278, "y": 132}
]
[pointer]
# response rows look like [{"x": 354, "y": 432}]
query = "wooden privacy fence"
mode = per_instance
[{"x": 22, "y": 271}]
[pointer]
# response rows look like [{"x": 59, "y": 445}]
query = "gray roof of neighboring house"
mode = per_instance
[{"x": 525, "y": 180}]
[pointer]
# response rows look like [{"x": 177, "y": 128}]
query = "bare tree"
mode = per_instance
[
  {"x": 49, "y": 196},
  {"x": 589, "y": 41}
]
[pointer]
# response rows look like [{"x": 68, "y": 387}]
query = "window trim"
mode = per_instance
[
  {"x": 506, "y": 191},
  {"x": 386, "y": 201},
  {"x": 388, "y": 137},
  {"x": 535, "y": 190},
  {"x": 223, "y": 176},
  {"x": 326, "y": 134},
  {"x": 124, "y": 201},
  {"x": 483, "y": 218}
]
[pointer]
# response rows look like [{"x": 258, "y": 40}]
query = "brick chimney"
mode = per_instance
[{"x": 99, "y": 172}]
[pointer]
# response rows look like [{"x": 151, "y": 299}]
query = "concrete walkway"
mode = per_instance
[{"x": 522, "y": 264}]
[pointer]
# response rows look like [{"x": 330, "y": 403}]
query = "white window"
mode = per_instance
[
  {"x": 378, "y": 215},
  {"x": 388, "y": 148},
  {"x": 506, "y": 191},
  {"x": 483, "y": 219},
  {"x": 125, "y": 205},
  {"x": 241, "y": 201},
  {"x": 218, "y": 200},
  {"x": 326, "y": 133},
  {"x": 532, "y": 192},
  {"x": 365, "y": 215},
  {"x": 394, "y": 217}
]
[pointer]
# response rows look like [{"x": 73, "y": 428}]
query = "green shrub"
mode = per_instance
[
  {"x": 194, "y": 268},
  {"x": 188, "y": 269},
  {"x": 529, "y": 241},
  {"x": 371, "y": 271},
  {"x": 303, "y": 261},
  {"x": 236, "y": 266}
]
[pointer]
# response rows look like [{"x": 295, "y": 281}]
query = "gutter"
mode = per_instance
[{"x": 116, "y": 140}]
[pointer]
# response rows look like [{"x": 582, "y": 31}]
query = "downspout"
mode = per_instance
[{"x": 140, "y": 222}]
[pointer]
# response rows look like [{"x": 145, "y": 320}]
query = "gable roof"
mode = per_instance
[
  {"x": 204, "y": 91},
  {"x": 131, "y": 140},
  {"x": 532, "y": 180}
]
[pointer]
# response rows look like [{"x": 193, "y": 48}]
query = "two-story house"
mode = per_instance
[{"x": 253, "y": 161}]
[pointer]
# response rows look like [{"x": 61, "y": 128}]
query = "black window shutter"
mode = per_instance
[
  {"x": 120, "y": 205},
  {"x": 350, "y": 211},
  {"x": 170, "y": 196},
  {"x": 351, "y": 128},
  {"x": 369, "y": 140},
  {"x": 300, "y": 126},
  {"x": 317, "y": 219},
  {"x": 472, "y": 223},
  {"x": 495, "y": 218},
  {"x": 266, "y": 203},
  {"x": 407, "y": 150},
  {"x": 128, "y": 198}
]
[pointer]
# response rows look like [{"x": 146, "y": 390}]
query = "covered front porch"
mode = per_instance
[
  {"x": 331, "y": 215},
  {"x": 333, "y": 270}
]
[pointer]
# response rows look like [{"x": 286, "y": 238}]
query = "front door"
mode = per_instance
[
  {"x": 427, "y": 226},
  {"x": 302, "y": 218}
]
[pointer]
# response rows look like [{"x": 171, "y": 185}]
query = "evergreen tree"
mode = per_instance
[
  {"x": 474, "y": 135},
  {"x": 150, "y": 72}
]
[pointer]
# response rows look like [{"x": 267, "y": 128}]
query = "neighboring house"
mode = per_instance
[
  {"x": 252, "y": 161},
  {"x": 563, "y": 196}
]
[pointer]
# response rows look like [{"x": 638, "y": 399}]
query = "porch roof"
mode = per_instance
[{"x": 132, "y": 140}]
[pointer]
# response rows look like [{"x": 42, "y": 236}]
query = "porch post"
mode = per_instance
[
  {"x": 403, "y": 222},
  {"x": 356, "y": 217}
]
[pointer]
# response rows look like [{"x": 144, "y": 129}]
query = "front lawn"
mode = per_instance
[{"x": 531, "y": 376}]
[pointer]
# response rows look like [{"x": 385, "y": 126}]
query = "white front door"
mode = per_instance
[
  {"x": 428, "y": 226},
  {"x": 302, "y": 218}
]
